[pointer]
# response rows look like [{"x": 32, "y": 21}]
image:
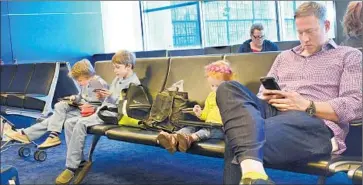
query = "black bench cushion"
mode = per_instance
[
  {"x": 3, "y": 100},
  {"x": 249, "y": 67},
  {"x": 25, "y": 102},
  {"x": 7, "y": 73},
  {"x": 100, "y": 129},
  {"x": 21, "y": 79},
  {"x": 41, "y": 79},
  {"x": 15, "y": 101},
  {"x": 33, "y": 103},
  {"x": 133, "y": 135},
  {"x": 191, "y": 70}
]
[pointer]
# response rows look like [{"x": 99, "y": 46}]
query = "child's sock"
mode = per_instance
[
  {"x": 253, "y": 169},
  {"x": 82, "y": 163},
  {"x": 254, "y": 175},
  {"x": 54, "y": 134},
  {"x": 72, "y": 169}
]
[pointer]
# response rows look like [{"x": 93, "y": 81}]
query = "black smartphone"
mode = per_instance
[
  {"x": 64, "y": 99},
  {"x": 95, "y": 84},
  {"x": 270, "y": 83},
  {"x": 97, "y": 90}
]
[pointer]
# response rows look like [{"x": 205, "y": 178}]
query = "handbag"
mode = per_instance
[
  {"x": 87, "y": 111},
  {"x": 167, "y": 111}
]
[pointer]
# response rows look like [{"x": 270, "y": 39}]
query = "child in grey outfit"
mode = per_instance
[{"x": 85, "y": 75}]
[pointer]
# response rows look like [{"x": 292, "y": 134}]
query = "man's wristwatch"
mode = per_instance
[{"x": 311, "y": 110}]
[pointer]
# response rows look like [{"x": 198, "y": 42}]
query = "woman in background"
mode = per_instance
[
  {"x": 353, "y": 25},
  {"x": 257, "y": 43}
]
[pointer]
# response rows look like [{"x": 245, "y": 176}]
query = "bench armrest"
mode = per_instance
[{"x": 357, "y": 122}]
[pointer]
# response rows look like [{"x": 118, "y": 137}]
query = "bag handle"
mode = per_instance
[{"x": 108, "y": 119}]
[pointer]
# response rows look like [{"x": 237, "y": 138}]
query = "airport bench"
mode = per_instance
[
  {"x": 157, "y": 73},
  {"x": 32, "y": 89}
]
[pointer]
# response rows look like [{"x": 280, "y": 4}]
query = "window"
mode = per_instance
[
  {"x": 121, "y": 26},
  {"x": 171, "y": 24},
  {"x": 186, "y": 30},
  {"x": 229, "y": 22},
  {"x": 195, "y": 24},
  {"x": 287, "y": 22}
]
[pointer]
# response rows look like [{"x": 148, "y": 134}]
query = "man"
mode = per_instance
[
  {"x": 321, "y": 93},
  {"x": 257, "y": 43}
]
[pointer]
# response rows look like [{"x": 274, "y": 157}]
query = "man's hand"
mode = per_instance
[
  {"x": 268, "y": 95},
  {"x": 102, "y": 94},
  {"x": 285, "y": 101}
]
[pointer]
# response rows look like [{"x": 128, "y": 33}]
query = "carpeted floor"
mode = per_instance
[{"x": 127, "y": 163}]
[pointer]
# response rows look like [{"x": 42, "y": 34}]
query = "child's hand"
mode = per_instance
[
  {"x": 102, "y": 94},
  {"x": 86, "y": 105},
  {"x": 197, "y": 110},
  {"x": 67, "y": 98}
]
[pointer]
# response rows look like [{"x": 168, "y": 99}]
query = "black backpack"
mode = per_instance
[{"x": 134, "y": 103}]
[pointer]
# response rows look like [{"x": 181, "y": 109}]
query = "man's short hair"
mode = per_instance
[
  {"x": 82, "y": 68},
  {"x": 311, "y": 8},
  {"x": 124, "y": 57},
  {"x": 256, "y": 26}
]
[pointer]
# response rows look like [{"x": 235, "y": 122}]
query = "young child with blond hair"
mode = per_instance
[
  {"x": 216, "y": 73},
  {"x": 85, "y": 76}
]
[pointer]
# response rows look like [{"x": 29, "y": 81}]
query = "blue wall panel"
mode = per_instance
[
  {"x": 6, "y": 54},
  {"x": 56, "y": 37},
  {"x": 4, "y": 7},
  {"x": 24, "y": 7},
  {"x": 44, "y": 31}
]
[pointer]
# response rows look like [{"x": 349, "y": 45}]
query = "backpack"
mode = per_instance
[
  {"x": 134, "y": 103},
  {"x": 167, "y": 111}
]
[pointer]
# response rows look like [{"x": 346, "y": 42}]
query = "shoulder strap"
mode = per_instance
[{"x": 108, "y": 119}]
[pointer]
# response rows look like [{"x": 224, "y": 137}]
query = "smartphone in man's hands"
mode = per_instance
[{"x": 269, "y": 83}]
